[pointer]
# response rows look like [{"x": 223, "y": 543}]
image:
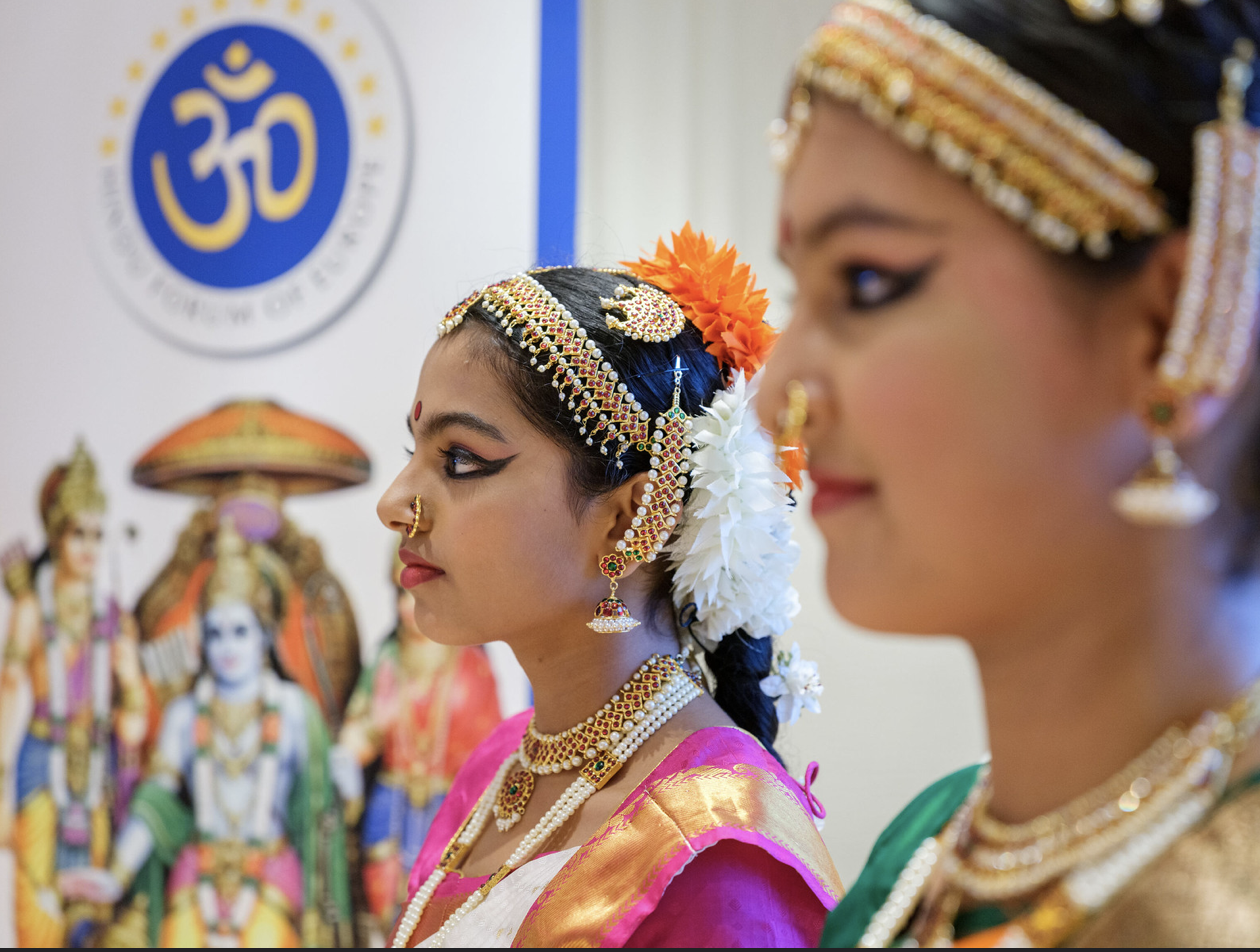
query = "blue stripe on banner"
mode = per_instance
[{"x": 557, "y": 131}]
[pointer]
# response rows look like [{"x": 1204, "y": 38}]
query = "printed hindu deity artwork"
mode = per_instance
[
  {"x": 245, "y": 458},
  {"x": 251, "y": 168},
  {"x": 73, "y": 717},
  {"x": 417, "y": 713},
  {"x": 235, "y": 837}
]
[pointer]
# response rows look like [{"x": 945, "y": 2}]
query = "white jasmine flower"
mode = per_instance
[
  {"x": 734, "y": 555},
  {"x": 794, "y": 684}
]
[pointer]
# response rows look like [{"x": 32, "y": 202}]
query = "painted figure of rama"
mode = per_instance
[
  {"x": 259, "y": 860},
  {"x": 73, "y": 715},
  {"x": 244, "y": 459},
  {"x": 416, "y": 713}
]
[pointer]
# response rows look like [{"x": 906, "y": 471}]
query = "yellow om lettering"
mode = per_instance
[{"x": 229, "y": 154}]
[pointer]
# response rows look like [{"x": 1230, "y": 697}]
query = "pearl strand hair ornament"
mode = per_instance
[
  {"x": 1213, "y": 328},
  {"x": 683, "y": 691},
  {"x": 658, "y": 511}
]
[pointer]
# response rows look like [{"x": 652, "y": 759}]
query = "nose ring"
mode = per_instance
[{"x": 416, "y": 508}]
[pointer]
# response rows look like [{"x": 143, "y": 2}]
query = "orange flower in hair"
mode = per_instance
[{"x": 718, "y": 294}]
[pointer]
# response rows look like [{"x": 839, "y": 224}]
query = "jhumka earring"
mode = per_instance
[
  {"x": 416, "y": 508},
  {"x": 1164, "y": 493},
  {"x": 1211, "y": 336},
  {"x": 657, "y": 513}
]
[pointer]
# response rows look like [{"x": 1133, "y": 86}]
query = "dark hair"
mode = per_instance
[
  {"x": 740, "y": 662},
  {"x": 1149, "y": 86}
]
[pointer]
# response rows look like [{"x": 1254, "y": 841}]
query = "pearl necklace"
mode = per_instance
[
  {"x": 675, "y": 693},
  {"x": 1075, "y": 859},
  {"x": 588, "y": 742}
]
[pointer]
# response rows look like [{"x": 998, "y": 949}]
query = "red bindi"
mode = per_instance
[{"x": 416, "y": 415}]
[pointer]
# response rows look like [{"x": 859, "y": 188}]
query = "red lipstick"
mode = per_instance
[
  {"x": 416, "y": 571},
  {"x": 832, "y": 492}
]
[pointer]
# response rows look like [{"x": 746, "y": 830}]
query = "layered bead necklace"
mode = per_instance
[
  {"x": 1075, "y": 859},
  {"x": 657, "y": 691}
]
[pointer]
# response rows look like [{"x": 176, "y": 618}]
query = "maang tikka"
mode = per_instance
[
  {"x": 1211, "y": 336},
  {"x": 604, "y": 407}
]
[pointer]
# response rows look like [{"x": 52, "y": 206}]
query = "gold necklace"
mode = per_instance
[
  {"x": 589, "y": 741},
  {"x": 679, "y": 691},
  {"x": 1072, "y": 860},
  {"x": 233, "y": 717}
]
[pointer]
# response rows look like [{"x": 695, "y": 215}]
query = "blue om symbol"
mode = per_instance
[{"x": 240, "y": 157}]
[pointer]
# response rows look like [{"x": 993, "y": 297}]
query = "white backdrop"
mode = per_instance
[{"x": 677, "y": 98}]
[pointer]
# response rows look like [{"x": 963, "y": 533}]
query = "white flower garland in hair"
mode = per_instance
[
  {"x": 794, "y": 684},
  {"x": 733, "y": 556}
]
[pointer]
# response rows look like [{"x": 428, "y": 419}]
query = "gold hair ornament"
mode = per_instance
[
  {"x": 658, "y": 511},
  {"x": 1027, "y": 153},
  {"x": 1214, "y": 323},
  {"x": 605, "y": 407},
  {"x": 650, "y": 313}
]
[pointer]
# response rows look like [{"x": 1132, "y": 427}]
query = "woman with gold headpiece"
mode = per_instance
[
  {"x": 73, "y": 713},
  {"x": 1026, "y": 237},
  {"x": 571, "y": 426},
  {"x": 259, "y": 861}
]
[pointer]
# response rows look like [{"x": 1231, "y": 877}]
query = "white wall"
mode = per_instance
[
  {"x": 676, "y": 100},
  {"x": 73, "y": 360}
]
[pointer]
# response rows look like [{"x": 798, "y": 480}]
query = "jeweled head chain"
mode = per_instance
[
  {"x": 1070, "y": 183},
  {"x": 607, "y": 412}
]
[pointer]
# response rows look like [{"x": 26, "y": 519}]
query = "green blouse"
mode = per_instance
[{"x": 928, "y": 813}]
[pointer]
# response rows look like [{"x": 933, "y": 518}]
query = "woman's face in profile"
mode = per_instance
[
  {"x": 967, "y": 417},
  {"x": 500, "y": 553}
]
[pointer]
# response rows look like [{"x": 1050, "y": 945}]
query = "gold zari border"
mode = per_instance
[{"x": 610, "y": 875}]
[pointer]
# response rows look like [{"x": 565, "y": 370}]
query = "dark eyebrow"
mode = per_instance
[
  {"x": 860, "y": 215},
  {"x": 441, "y": 421}
]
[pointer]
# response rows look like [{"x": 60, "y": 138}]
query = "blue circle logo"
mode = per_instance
[{"x": 240, "y": 157}]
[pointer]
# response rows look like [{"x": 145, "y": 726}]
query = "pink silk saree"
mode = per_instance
[{"x": 716, "y": 847}]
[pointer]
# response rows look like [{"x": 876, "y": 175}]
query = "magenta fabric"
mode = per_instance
[
  {"x": 733, "y": 896},
  {"x": 735, "y": 887},
  {"x": 469, "y": 784}
]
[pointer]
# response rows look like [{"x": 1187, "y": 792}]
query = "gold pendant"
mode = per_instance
[{"x": 513, "y": 797}]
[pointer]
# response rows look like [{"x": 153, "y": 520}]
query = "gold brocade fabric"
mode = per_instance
[
  {"x": 1205, "y": 891},
  {"x": 628, "y": 857}
]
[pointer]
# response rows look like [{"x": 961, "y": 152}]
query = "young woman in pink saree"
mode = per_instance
[{"x": 572, "y": 425}]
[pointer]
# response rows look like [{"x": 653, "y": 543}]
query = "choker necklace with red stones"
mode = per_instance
[{"x": 587, "y": 744}]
